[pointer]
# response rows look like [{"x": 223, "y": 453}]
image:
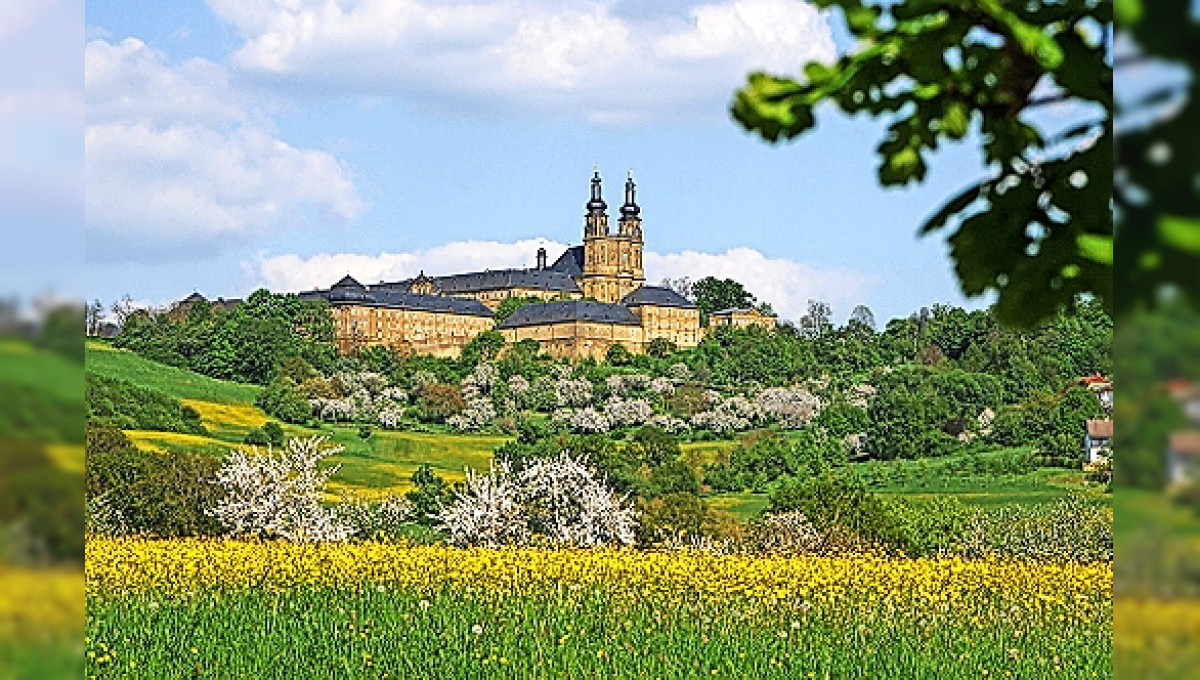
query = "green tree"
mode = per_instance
[
  {"x": 428, "y": 494},
  {"x": 511, "y": 304},
  {"x": 483, "y": 347},
  {"x": 713, "y": 294},
  {"x": 1036, "y": 231}
]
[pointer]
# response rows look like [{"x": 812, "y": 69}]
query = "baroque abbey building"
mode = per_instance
[{"x": 593, "y": 296}]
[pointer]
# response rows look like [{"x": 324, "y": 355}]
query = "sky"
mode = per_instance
[{"x": 237, "y": 144}]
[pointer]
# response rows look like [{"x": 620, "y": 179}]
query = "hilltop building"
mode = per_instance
[
  {"x": 594, "y": 295},
  {"x": 742, "y": 318}
]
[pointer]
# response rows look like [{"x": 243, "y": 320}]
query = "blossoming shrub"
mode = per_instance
[
  {"x": 629, "y": 413},
  {"x": 558, "y": 500},
  {"x": 575, "y": 393},
  {"x": 278, "y": 495},
  {"x": 478, "y": 414},
  {"x": 791, "y": 407}
]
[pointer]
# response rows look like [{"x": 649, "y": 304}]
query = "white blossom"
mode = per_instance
[
  {"x": 488, "y": 512},
  {"x": 628, "y": 413},
  {"x": 662, "y": 387},
  {"x": 558, "y": 499},
  {"x": 389, "y": 419},
  {"x": 423, "y": 379},
  {"x": 668, "y": 423},
  {"x": 792, "y": 408},
  {"x": 574, "y": 393},
  {"x": 478, "y": 414},
  {"x": 679, "y": 371},
  {"x": 518, "y": 385},
  {"x": 278, "y": 495},
  {"x": 589, "y": 421},
  {"x": 627, "y": 384}
]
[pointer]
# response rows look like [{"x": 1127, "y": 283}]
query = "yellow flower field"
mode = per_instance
[
  {"x": 36, "y": 602},
  {"x": 374, "y": 610},
  {"x": 121, "y": 565}
]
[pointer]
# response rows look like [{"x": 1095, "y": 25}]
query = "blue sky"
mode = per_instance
[{"x": 243, "y": 143}]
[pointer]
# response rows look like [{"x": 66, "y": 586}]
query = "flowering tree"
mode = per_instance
[
  {"x": 488, "y": 511},
  {"x": 573, "y": 393},
  {"x": 478, "y": 414},
  {"x": 589, "y": 420},
  {"x": 792, "y": 408},
  {"x": 558, "y": 499},
  {"x": 668, "y": 423},
  {"x": 279, "y": 495},
  {"x": 662, "y": 387},
  {"x": 518, "y": 385},
  {"x": 628, "y": 413}
]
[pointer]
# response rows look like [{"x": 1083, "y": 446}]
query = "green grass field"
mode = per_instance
[
  {"x": 103, "y": 359},
  {"x": 23, "y": 365}
]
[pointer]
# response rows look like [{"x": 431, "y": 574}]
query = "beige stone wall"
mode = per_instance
[
  {"x": 742, "y": 319},
  {"x": 437, "y": 334},
  {"x": 612, "y": 267},
  {"x": 578, "y": 339},
  {"x": 492, "y": 298},
  {"x": 676, "y": 324}
]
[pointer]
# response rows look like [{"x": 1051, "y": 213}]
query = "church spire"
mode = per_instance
[
  {"x": 630, "y": 209},
  {"x": 595, "y": 221},
  {"x": 596, "y": 204}
]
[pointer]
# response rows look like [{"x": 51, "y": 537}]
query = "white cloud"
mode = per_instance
[
  {"x": 293, "y": 273},
  {"x": 571, "y": 57},
  {"x": 179, "y": 163},
  {"x": 786, "y": 284}
]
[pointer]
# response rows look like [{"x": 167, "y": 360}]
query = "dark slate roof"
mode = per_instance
[
  {"x": 570, "y": 262},
  {"x": 430, "y": 303},
  {"x": 499, "y": 279},
  {"x": 562, "y": 311},
  {"x": 345, "y": 293},
  {"x": 194, "y": 297},
  {"x": 654, "y": 295}
]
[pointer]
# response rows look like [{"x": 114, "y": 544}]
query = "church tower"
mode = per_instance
[{"x": 612, "y": 266}]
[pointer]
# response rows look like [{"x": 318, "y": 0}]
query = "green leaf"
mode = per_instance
[
  {"x": 927, "y": 91},
  {"x": 1033, "y": 40},
  {"x": 1096, "y": 247},
  {"x": 900, "y": 167},
  {"x": 1182, "y": 233},
  {"x": 956, "y": 119},
  {"x": 1127, "y": 12}
]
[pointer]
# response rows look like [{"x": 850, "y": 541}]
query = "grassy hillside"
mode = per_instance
[
  {"x": 42, "y": 395},
  {"x": 23, "y": 365},
  {"x": 384, "y": 462},
  {"x": 103, "y": 359}
]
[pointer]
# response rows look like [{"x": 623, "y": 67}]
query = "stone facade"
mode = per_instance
[
  {"x": 437, "y": 333},
  {"x": 594, "y": 296},
  {"x": 742, "y": 318}
]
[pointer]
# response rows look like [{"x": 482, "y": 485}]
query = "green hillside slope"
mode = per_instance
[{"x": 176, "y": 382}]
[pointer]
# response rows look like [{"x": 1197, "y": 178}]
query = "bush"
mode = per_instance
[
  {"x": 1069, "y": 530},
  {"x": 558, "y": 500},
  {"x": 156, "y": 494},
  {"x": 428, "y": 495},
  {"x": 374, "y": 520},
  {"x": 440, "y": 401},
  {"x": 132, "y": 407},
  {"x": 41, "y": 509},
  {"x": 836, "y": 501},
  {"x": 284, "y": 400},
  {"x": 270, "y": 434}
]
